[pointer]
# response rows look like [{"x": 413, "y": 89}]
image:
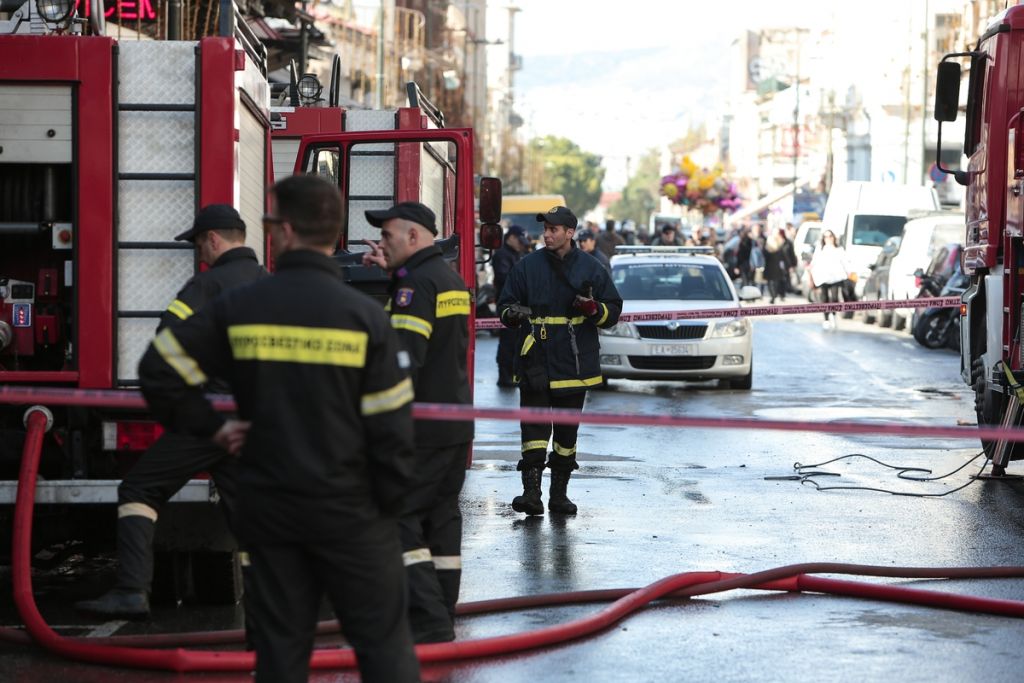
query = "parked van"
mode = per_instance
[
  {"x": 522, "y": 210},
  {"x": 922, "y": 237},
  {"x": 864, "y": 215}
]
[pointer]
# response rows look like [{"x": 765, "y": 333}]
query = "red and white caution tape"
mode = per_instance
[
  {"x": 761, "y": 311},
  {"x": 130, "y": 400}
]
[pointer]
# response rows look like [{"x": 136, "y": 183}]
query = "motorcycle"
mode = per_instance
[{"x": 936, "y": 328}]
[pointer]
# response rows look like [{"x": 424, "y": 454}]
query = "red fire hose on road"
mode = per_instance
[{"x": 626, "y": 601}]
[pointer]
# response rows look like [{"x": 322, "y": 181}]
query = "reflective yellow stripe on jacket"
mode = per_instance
[
  {"x": 180, "y": 309},
  {"x": 568, "y": 383},
  {"x": 556, "y": 320},
  {"x": 387, "y": 400},
  {"x": 166, "y": 344},
  {"x": 401, "y": 321},
  {"x": 455, "y": 302},
  {"x": 295, "y": 344}
]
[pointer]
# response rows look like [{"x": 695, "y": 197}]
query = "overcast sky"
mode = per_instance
[{"x": 621, "y": 77}]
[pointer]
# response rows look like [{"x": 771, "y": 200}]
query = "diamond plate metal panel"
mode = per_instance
[
  {"x": 156, "y": 142},
  {"x": 133, "y": 336},
  {"x": 358, "y": 228},
  {"x": 384, "y": 119},
  {"x": 157, "y": 72},
  {"x": 148, "y": 279},
  {"x": 154, "y": 210},
  {"x": 371, "y": 176},
  {"x": 252, "y": 176}
]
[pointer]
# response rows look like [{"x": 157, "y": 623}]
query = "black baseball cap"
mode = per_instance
[
  {"x": 558, "y": 215},
  {"x": 584, "y": 235},
  {"x": 213, "y": 217},
  {"x": 410, "y": 211}
]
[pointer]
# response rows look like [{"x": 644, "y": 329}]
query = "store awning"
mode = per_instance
[{"x": 773, "y": 197}]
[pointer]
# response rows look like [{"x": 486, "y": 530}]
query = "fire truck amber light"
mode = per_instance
[{"x": 54, "y": 11}]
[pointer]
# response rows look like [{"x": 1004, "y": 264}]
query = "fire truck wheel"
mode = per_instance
[
  {"x": 216, "y": 578},
  {"x": 989, "y": 409}
]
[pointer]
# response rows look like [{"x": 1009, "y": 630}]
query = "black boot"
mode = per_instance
[
  {"x": 130, "y": 595},
  {"x": 558, "y": 501},
  {"x": 530, "y": 501}
]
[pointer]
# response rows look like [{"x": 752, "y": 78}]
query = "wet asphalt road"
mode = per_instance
[{"x": 655, "y": 502}]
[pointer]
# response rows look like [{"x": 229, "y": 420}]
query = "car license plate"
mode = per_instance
[{"x": 673, "y": 349}]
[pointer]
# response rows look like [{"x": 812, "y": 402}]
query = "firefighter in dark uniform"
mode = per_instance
[
  {"x": 324, "y": 435},
  {"x": 558, "y": 296},
  {"x": 218, "y": 234},
  {"x": 429, "y": 305}
]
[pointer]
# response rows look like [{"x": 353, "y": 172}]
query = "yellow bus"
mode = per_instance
[{"x": 522, "y": 210}]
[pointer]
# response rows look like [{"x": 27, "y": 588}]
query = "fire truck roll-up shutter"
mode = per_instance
[
  {"x": 252, "y": 172},
  {"x": 372, "y": 173},
  {"x": 156, "y": 188}
]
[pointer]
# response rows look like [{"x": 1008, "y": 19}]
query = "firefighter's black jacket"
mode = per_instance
[
  {"x": 315, "y": 366},
  {"x": 234, "y": 268},
  {"x": 429, "y": 305},
  {"x": 567, "y": 340}
]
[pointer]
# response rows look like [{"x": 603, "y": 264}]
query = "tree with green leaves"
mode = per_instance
[
  {"x": 559, "y": 166},
  {"x": 640, "y": 195}
]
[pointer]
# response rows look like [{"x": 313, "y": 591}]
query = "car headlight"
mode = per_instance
[
  {"x": 730, "y": 328},
  {"x": 620, "y": 330},
  {"x": 54, "y": 11}
]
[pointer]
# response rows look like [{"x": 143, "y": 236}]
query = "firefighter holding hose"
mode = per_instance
[
  {"x": 429, "y": 305},
  {"x": 558, "y": 296},
  {"x": 324, "y": 436}
]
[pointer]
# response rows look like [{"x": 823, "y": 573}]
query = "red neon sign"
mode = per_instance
[{"x": 122, "y": 9}]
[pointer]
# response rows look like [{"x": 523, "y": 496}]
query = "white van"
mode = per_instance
[
  {"x": 864, "y": 215},
  {"x": 922, "y": 237}
]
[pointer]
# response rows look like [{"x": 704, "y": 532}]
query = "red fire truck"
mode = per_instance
[
  {"x": 992, "y": 355},
  {"x": 107, "y": 149}
]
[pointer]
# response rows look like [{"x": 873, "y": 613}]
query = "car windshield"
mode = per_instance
[
  {"x": 873, "y": 231},
  {"x": 686, "y": 281}
]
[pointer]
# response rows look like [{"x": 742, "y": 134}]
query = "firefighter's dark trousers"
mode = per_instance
[
  {"x": 535, "y": 436},
  {"x": 431, "y": 533},
  {"x": 162, "y": 470},
  {"x": 506, "y": 355},
  {"x": 361, "y": 572}
]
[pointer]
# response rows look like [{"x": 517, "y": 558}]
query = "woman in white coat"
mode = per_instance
[{"x": 829, "y": 270}]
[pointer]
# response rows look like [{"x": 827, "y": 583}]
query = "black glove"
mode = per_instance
[
  {"x": 585, "y": 305},
  {"x": 516, "y": 315}
]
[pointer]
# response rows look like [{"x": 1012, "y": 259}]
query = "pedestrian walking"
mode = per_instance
[
  {"x": 829, "y": 270},
  {"x": 324, "y": 434},
  {"x": 560, "y": 297},
  {"x": 516, "y": 244},
  {"x": 218, "y": 234},
  {"x": 429, "y": 305},
  {"x": 776, "y": 272}
]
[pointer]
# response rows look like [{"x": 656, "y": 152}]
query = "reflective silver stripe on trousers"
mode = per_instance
[
  {"x": 416, "y": 556},
  {"x": 447, "y": 562},
  {"x": 136, "y": 510}
]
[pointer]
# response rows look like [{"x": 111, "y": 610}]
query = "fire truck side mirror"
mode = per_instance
[
  {"x": 490, "y": 236},
  {"x": 490, "y": 200},
  {"x": 947, "y": 91}
]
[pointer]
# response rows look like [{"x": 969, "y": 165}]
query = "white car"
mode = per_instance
[{"x": 662, "y": 279}]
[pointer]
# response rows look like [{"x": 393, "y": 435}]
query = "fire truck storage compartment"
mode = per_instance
[{"x": 36, "y": 226}]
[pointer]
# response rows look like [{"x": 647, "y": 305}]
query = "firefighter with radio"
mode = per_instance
[
  {"x": 429, "y": 305},
  {"x": 218, "y": 234},
  {"x": 324, "y": 435},
  {"x": 558, "y": 296}
]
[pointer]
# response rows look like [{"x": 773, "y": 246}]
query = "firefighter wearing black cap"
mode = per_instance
[
  {"x": 324, "y": 435},
  {"x": 429, "y": 305},
  {"x": 218, "y": 234},
  {"x": 559, "y": 296}
]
